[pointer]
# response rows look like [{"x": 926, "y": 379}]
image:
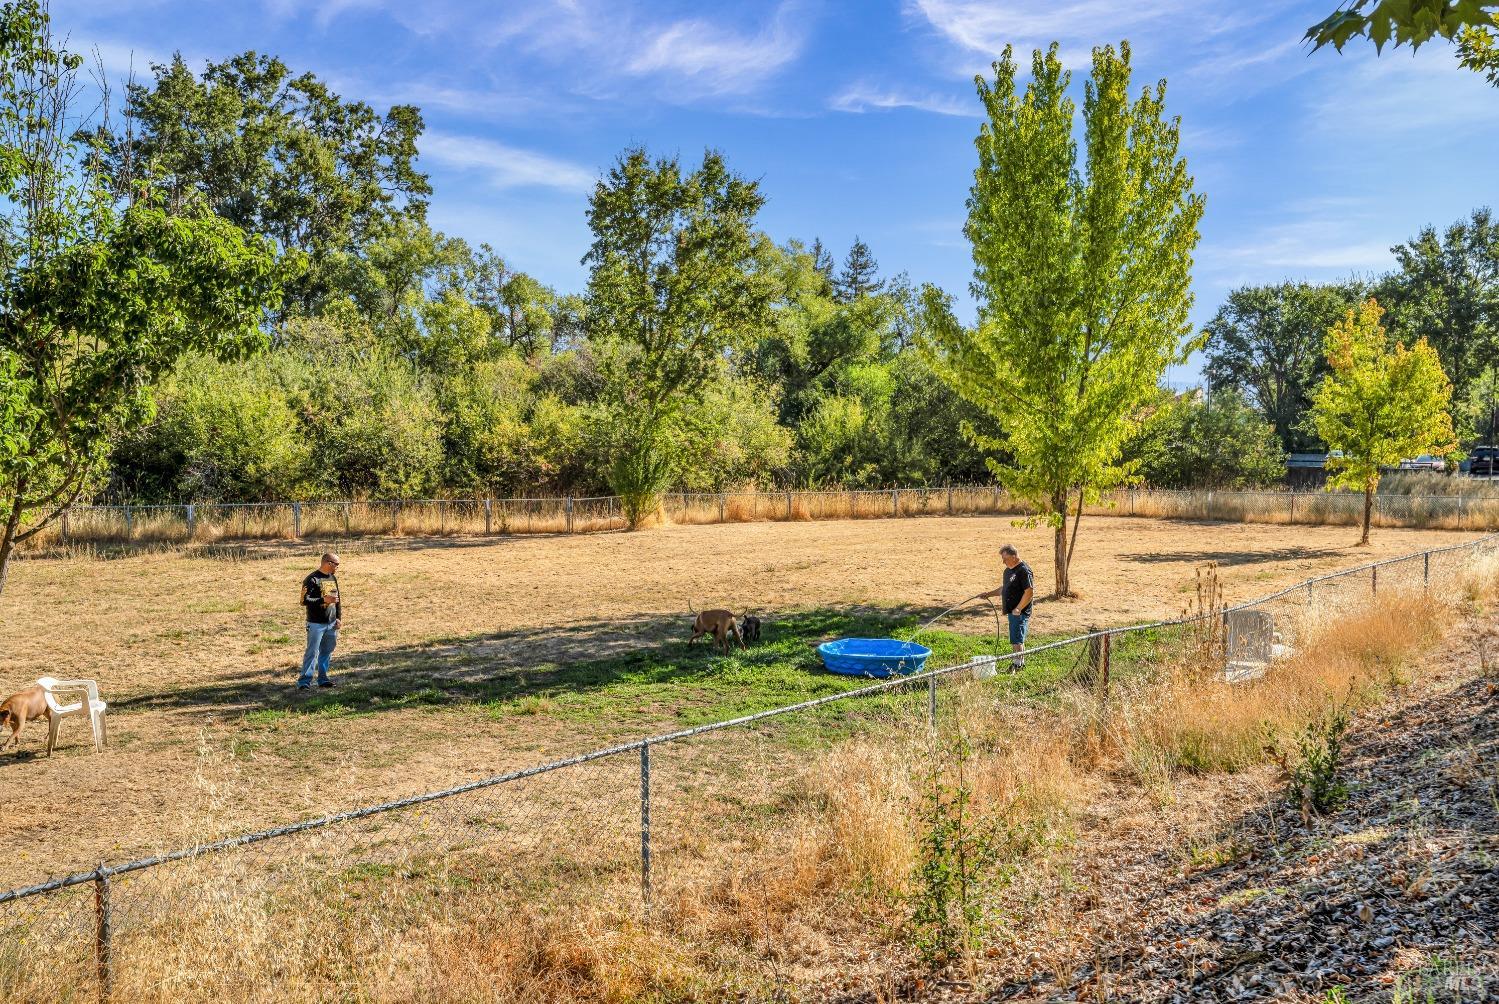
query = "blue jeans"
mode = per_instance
[
  {"x": 1019, "y": 625},
  {"x": 320, "y": 641}
]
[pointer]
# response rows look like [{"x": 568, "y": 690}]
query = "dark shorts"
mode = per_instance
[{"x": 1019, "y": 625}]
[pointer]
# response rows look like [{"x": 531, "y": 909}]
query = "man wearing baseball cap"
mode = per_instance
[{"x": 324, "y": 615}]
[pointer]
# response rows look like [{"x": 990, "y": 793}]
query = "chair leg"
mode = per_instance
[
  {"x": 53, "y": 721},
  {"x": 103, "y": 731}
]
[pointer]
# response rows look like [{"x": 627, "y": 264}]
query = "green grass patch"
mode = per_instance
[{"x": 685, "y": 685}]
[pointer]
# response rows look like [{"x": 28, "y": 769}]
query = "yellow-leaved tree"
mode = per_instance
[{"x": 1378, "y": 405}]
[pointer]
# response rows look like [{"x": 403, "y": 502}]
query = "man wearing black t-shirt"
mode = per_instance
[
  {"x": 1017, "y": 592},
  {"x": 324, "y": 615}
]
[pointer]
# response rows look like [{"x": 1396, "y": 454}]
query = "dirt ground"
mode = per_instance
[{"x": 190, "y": 649}]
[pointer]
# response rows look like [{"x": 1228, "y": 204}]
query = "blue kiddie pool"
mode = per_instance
[{"x": 877, "y": 657}]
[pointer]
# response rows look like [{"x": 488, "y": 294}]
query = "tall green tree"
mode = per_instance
[
  {"x": 1266, "y": 342},
  {"x": 1479, "y": 410},
  {"x": 1446, "y": 290},
  {"x": 1378, "y": 405},
  {"x": 98, "y": 301},
  {"x": 673, "y": 283},
  {"x": 276, "y": 154},
  {"x": 860, "y": 275},
  {"x": 1081, "y": 275}
]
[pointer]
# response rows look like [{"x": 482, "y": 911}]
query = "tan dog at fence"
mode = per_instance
[
  {"x": 719, "y": 623},
  {"x": 20, "y": 708}
]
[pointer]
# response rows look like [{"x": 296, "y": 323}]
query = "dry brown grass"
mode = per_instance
[
  {"x": 756, "y": 905},
  {"x": 749, "y": 900}
]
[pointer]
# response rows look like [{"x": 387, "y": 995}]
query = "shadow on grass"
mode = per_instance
[
  {"x": 630, "y": 675},
  {"x": 634, "y": 653},
  {"x": 1229, "y": 558}
]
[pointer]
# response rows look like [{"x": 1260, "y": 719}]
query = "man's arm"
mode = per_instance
[{"x": 1025, "y": 598}]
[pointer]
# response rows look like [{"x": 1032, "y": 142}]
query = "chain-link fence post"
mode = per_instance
[
  {"x": 788, "y": 505},
  {"x": 645, "y": 826},
  {"x": 296, "y": 520},
  {"x": 348, "y": 519},
  {"x": 103, "y": 935},
  {"x": 721, "y": 500},
  {"x": 65, "y": 526},
  {"x": 1098, "y": 661},
  {"x": 129, "y": 525},
  {"x": 1426, "y": 570},
  {"x": 488, "y": 516},
  {"x": 949, "y": 498},
  {"x": 1293, "y": 508},
  {"x": 192, "y": 520},
  {"x": 567, "y": 510}
]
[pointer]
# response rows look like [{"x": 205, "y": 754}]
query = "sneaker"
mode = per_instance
[
  {"x": 325, "y": 683},
  {"x": 304, "y": 686}
]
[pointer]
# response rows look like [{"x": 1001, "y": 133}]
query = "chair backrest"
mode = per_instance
[
  {"x": 1251, "y": 633},
  {"x": 51, "y": 685},
  {"x": 48, "y": 684}
]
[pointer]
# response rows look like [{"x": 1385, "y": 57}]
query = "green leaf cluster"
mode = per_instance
[{"x": 1407, "y": 22}]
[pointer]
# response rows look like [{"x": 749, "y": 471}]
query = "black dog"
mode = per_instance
[{"x": 749, "y": 628}]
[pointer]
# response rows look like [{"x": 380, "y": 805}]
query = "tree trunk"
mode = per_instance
[
  {"x": 1077, "y": 521},
  {"x": 1059, "y": 547},
  {"x": 1368, "y": 512},
  {"x": 8, "y": 537}
]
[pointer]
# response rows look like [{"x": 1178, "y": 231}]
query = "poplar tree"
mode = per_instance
[
  {"x": 1081, "y": 277},
  {"x": 1378, "y": 405}
]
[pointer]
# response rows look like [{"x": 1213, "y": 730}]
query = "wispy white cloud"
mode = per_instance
[
  {"x": 495, "y": 104},
  {"x": 604, "y": 47},
  {"x": 987, "y": 26},
  {"x": 864, "y": 97},
  {"x": 323, "y": 12},
  {"x": 1212, "y": 46},
  {"x": 505, "y": 166},
  {"x": 1337, "y": 244},
  {"x": 121, "y": 58},
  {"x": 1209, "y": 139},
  {"x": 718, "y": 59}
]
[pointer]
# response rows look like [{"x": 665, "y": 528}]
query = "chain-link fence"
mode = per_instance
[
  {"x": 670, "y": 822},
  {"x": 146, "y": 525}
]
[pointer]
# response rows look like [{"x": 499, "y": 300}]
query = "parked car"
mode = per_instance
[
  {"x": 1425, "y": 462},
  {"x": 1482, "y": 461}
]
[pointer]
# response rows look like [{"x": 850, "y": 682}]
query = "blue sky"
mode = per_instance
[{"x": 859, "y": 117}]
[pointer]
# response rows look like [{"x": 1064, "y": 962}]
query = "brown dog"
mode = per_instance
[
  {"x": 719, "y": 623},
  {"x": 20, "y": 708}
]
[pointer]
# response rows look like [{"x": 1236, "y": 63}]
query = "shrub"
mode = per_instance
[
  {"x": 956, "y": 856},
  {"x": 1315, "y": 785}
]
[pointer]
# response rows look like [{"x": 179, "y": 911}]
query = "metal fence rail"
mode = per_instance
[
  {"x": 146, "y": 525},
  {"x": 639, "y": 822}
]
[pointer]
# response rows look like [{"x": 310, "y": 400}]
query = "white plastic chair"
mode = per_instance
[{"x": 95, "y": 707}]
